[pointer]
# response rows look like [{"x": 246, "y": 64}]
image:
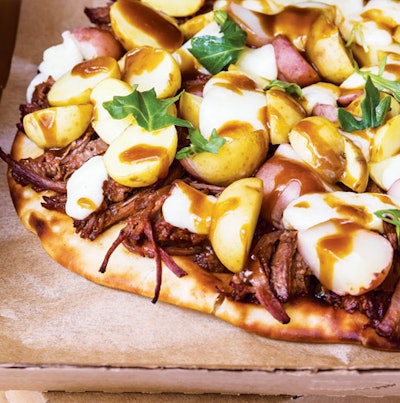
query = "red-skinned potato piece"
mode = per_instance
[
  {"x": 292, "y": 66},
  {"x": 348, "y": 96},
  {"x": 329, "y": 112},
  {"x": 284, "y": 180},
  {"x": 94, "y": 42},
  {"x": 253, "y": 23}
]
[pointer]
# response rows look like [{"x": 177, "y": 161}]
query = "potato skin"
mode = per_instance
[{"x": 284, "y": 180}]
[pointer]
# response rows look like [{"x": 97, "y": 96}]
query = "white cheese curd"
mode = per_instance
[
  {"x": 387, "y": 11},
  {"x": 314, "y": 208},
  {"x": 187, "y": 208},
  {"x": 60, "y": 58},
  {"x": 374, "y": 36},
  {"x": 356, "y": 80},
  {"x": 230, "y": 104},
  {"x": 259, "y": 62},
  {"x": 57, "y": 60},
  {"x": 319, "y": 93},
  {"x": 348, "y": 8},
  {"x": 345, "y": 257},
  {"x": 85, "y": 188}
]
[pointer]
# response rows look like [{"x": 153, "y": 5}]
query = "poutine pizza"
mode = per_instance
[{"x": 239, "y": 158}]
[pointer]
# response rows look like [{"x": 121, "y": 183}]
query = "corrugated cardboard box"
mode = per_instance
[{"x": 60, "y": 332}]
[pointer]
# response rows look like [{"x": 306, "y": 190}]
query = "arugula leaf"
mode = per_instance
[
  {"x": 216, "y": 53},
  {"x": 391, "y": 216},
  {"x": 150, "y": 112},
  {"x": 373, "y": 110},
  {"x": 290, "y": 88},
  {"x": 200, "y": 144},
  {"x": 382, "y": 84}
]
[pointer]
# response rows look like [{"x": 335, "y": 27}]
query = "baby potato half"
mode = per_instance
[
  {"x": 139, "y": 158},
  {"x": 57, "y": 126},
  {"x": 236, "y": 159},
  {"x": 233, "y": 222}
]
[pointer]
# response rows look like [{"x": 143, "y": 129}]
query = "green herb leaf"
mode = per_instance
[
  {"x": 373, "y": 110},
  {"x": 391, "y": 216},
  {"x": 391, "y": 87},
  {"x": 200, "y": 144},
  {"x": 216, "y": 53},
  {"x": 290, "y": 88},
  {"x": 150, "y": 112}
]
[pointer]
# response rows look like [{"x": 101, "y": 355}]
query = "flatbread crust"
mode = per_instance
[{"x": 311, "y": 321}]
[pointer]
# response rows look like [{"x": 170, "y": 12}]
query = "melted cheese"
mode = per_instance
[
  {"x": 188, "y": 208},
  {"x": 85, "y": 188},
  {"x": 314, "y": 208},
  {"x": 345, "y": 257},
  {"x": 233, "y": 105},
  {"x": 249, "y": 61},
  {"x": 57, "y": 60}
]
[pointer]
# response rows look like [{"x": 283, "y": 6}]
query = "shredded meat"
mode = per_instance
[
  {"x": 138, "y": 234},
  {"x": 390, "y": 325},
  {"x": 114, "y": 191},
  {"x": 256, "y": 279},
  {"x": 177, "y": 238},
  {"x": 208, "y": 260},
  {"x": 24, "y": 176},
  {"x": 281, "y": 263},
  {"x": 55, "y": 202},
  {"x": 58, "y": 165}
]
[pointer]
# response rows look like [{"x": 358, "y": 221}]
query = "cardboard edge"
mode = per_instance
[{"x": 369, "y": 383}]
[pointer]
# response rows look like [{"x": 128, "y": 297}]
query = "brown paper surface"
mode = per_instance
[{"x": 50, "y": 316}]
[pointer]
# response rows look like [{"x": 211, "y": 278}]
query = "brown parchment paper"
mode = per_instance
[{"x": 50, "y": 316}]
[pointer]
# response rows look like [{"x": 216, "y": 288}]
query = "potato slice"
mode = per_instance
[
  {"x": 149, "y": 68},
  {"x": 384, "y": 173},
  {"x": 283, "y": 112},
  {"x": 103, "y": 123},
  {"x": 345, "y": 257},
  {"x": 320, "y": 145},
  {"x": 139, "y": 158},
  {"x": 236, "y": 159},
  {"x": 355, "y": 175},
  {"x": 75, "y": 86},
  {"x": 326, "y": 50},
  {"x": 176, "y": 8},
  {"x": 136, "y": 24},
  {"x": 386, "y": 140},
  {"x": 234, "y": 220},
  {"x": 195, "y": 24},
  {"x": 57, "y": 126},
  {"x": 189, "y": 107}
]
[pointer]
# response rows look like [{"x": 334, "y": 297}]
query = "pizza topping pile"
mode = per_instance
[{"x": 261, "y": 139}]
